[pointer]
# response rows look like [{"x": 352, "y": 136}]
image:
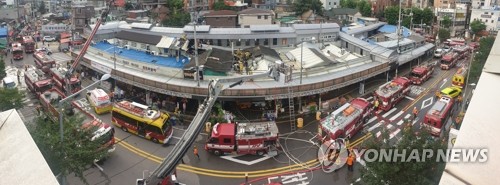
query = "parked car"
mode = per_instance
[
  {"x": 46, "y": 50},
  {"x": 452, "y": 92},
  {"x": 446, "y": 49},
  {"x": 49, "y": 39},
  {"x": 438, "y": 53}
]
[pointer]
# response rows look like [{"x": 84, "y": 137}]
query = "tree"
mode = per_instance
[
  {"x": 476, "y": 26},
  {"x": 348, "y": 3},
  {"x": 443, "y": 34},
  {"x": 10, "y": 99},
  {"x": 305, "y": 5},
  {"x": 220, "y": 5},
  {"x": 446, "y": 22},
  {"x": 365, "y": 8},
  {"x": 403, "y": 172},
  {"x": 417, "y": 15},
  {"x": 427, "y": 16},
  {"x": 177, "y": 16},
  {"x": 391, "y": 14},
  {"x": 76, "y": 154},
  {"x": 41, "y": 8},
  {"x": 485, "y": 45},
  {"x": 2, "y": 68},
  {"x": 129, "y": 6}
]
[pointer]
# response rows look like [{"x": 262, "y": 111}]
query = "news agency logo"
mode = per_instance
[{"x": 332, "y": 155}]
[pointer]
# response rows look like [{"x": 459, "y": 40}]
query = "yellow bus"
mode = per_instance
[
  {"x": 459, "y": 78},
  {"x": 142, "y": 120},
  {"x": 100, "y": 101}
]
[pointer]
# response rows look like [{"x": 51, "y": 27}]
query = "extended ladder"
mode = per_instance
[{"x": 291, "y": 106}]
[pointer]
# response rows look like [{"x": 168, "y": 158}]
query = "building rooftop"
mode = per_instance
[
  {"x": 221, "y": 13},
  {"x": 22, "y": 161},
  {"x": 255, "y": 11},
  {"x": 138, "y": 37},
  {"x": 142, "y": 56}
]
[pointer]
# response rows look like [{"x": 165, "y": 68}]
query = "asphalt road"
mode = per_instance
[{"x": 135, "y": 156}]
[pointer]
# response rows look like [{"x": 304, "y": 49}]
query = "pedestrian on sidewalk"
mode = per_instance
[
  {"x": 195, "y": 152},
  {"x": 350, "y": 162}
]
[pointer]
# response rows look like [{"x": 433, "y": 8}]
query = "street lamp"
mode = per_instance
[{"x": 61, "y": 112}]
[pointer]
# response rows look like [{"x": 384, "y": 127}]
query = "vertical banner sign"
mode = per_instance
[{"x": 452, "y": 137}]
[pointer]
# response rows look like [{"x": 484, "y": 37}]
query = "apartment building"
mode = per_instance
[
  {"x": 81, "y": 17},
  {"x": 489, "y": 16},
  {"x": 458, "y": 15}
]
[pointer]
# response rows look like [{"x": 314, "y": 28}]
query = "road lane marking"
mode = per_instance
[
  {"x": 389, "y": 112},
  {"x": 389, "y": 126},
  {"x": 410, "y": 98},
  {"x": 378, "y": 134},
  {"x": 374, "y": 127},
  {"x": 427, "y": 102},
  {"x": 400, "y": 122},
  {"x": 372, "y": 120},
  {"x": 444, "y": 82},
  {"x": 369, "y": 98},
  {"x": 394, "y": 133},
  {"x": 396, "y": 116}
]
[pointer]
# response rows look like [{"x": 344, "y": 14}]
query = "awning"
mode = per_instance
[
  {"x": 165, "y": 42},
  {"x": 415, "y": 53}
]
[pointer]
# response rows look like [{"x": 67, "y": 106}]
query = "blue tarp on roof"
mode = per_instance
[
  {"x": 142, "y": 56},
  {"x": 3, "y": 32},
  {"x": 392, "y": 29}
]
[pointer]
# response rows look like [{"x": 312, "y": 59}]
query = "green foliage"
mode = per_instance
[
  {"x": 177, "y": 16},
  {"x": 302, "y": 6},
  {"x": 217, "y": 114},
  {"x": 11, "y": 99},
  {"x": 476, "y": 26},
  {"x": 427, "y": 16},
  {"x": 402, "y": 172},
  {"x": 485, "y": 45},
  {"x": 365, "y": 8},
  {"x": 446, "y": 22},
  {"x": 220, "y": 5},
  {"x": 76, "y": 154},
  {"x": 41, "y": 8},
  {"x": 391, "y": 14},
  {"x": 443, "y": 34},
  {"x": 2, "y": 68},
  {"x": 348, "y": 3},
  {"x": 128, "y": 6}
]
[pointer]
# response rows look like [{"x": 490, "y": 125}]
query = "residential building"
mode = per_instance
[
  {"x": 191, "y": 5},
  {"x": 378, "y": 6},
  {"x": 265, "y": 4},
  {"x": 490, "y": 17},
  {"x": 310, "y": 17},
  {"x": 150, "y": 4},
  {"x": 444, "y": 4},
  {"x": 458, "y": 15},
  {"x": 485, "y": 3},
  {"x": 238, "y": 5},
  {"x": 418, "y": 3},
  {"x": 254, "y": 16},
  {"x": 222, "y": 19},
  {"x": 329, "y": 4},
  {"x": 342, "y": 14},
  {"x": 81, "y": 17}
]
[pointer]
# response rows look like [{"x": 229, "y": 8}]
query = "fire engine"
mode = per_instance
[
  {"x": 421, "y": 73},
  {"x": 243, "y": 138},
  {"x": 58, "y": 74},
  {"x": 392, "y": 92},
  {"x": 51, "y": 97},
  {"x": 439, "y": 114},
  {"x": 463, "y": 51},
  {"x": 29, "y": 44},
  {"x": 44, "y": 61},
  {"x": 346, "y": 121},
  {"x": 449, "y": 60},
  {"x": 17, "y": 51},
  {"x": 36, "y": 81}
]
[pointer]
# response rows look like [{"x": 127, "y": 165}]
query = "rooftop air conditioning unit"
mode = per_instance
[{"x": 127, "y": 47}]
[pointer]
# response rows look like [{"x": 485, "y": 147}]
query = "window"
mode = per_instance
[
  {"x": 79, "y": 10},
  {"x": 247, "y": 42},
  {"x": 227, "y": 140},
  {"x": 335, "y": 3},
  {"x": 265, "y": 16},
  {"x": 216, "y": 18},
  {"x": 275, "y": 41},
  {"x": 329, "y": 3},
  {"x": 238, "y": 43},
  {"x": 219, "y": 42},
  {"x": 491, "y": 13},
  {"x": 153, "y": 129},
  {"x": 143, "y": 46},
  {"x": 133, "y": 44},
  {"x": 228, "y": 42},
  {"x": 122, "y": 118},
  {"x": 257, "y": 42},
  {"x": 259, "y": 17},
  {"x": 361, "y": 52},
  {"x": 266, "y": 42}
]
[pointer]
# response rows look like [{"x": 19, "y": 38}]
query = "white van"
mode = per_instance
[
  {"x": 100, "y": 101},
  {"x": 8, "y": 83}
]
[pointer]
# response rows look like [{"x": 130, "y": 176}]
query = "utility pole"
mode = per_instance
[
  {"x": 399, "y": 27},
  {"x": 196, "y": 47}
]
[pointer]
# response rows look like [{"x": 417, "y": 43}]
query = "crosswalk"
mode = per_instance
[{"x": 391, "y": 121}]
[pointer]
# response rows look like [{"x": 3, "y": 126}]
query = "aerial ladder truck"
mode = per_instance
[
  {"x": 163, "y": 173},
  {"x": 75, "y": 63}
]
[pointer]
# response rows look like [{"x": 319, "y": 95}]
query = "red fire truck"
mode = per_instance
[
  {"x": 463, "y": 51},
  {"x": 102, "y": 131},
  {"x": 29, "y": 44},
  {"x": 392, "y": 92},
  {"x": 439, "y": 114},
  {"x": 58, "y": 73},
  {"x": 421, "y": 73},
  {"x": 44, "y": 61},
  {"x": 17, "y": 51},
  {"x": 449, "y": 60},
  {"x": 243, "y": 138},
  {"x": 346, "y": 121},
  {"x": 36, "y": 80}
]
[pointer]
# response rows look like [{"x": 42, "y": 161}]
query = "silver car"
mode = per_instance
[{"x": 438, "y": 53}]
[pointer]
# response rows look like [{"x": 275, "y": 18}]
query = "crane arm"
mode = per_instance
[{"x": 89, "y": 40}]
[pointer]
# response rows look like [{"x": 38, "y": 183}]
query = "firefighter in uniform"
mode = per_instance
[{"x": 415, "y": 113}]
